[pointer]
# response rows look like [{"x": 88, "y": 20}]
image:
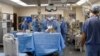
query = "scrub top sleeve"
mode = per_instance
[
  {"x": 65, "y": 28},
  {"x": 58, "y": 27},
  {"x": 85, "y": 27},
  {"x": 21, "y": 27}
]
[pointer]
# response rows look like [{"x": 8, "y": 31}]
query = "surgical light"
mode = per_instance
[
  {"x": 81, "y": 2},
  {"x": 22, "y": 3},
  {"x": 44, "y": 4}
]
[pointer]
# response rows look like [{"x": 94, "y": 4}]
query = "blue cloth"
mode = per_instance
[
  {"x": 93, "y": 50},
  {"x": 25, "y": 43},
  {"x": 92, "y": 30},
  {"x": 27, "y": 19},
  {"x": 35, "y": 25},
  {"x": 20, "y": 54},
  {"x": 24, "y": 26},
  {"x": 47, "y": 43},
  {"x": 54, "y": 23}
]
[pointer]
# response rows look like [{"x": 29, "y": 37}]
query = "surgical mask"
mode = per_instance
[{"x": 50, "y": 18}]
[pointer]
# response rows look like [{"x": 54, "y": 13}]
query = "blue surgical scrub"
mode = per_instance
[
  {"x": 92, "y": 30},
  {"x": 35, "y": 25},
  {"x": 54, "y": 23},
  {"x": 24, "y": 26},
  {"x": 43, "y": 25},
  {"x": 63, "y": 27}
]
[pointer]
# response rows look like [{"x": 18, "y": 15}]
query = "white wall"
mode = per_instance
[
  {"x": 29, "y": 11},
  {"x": 5, "y": 8},
  {"x": 97, "y": 3},
  {"x": 79, "y": 14},
  {"x": 67, "y": 11},
  {"x": 26, "y": 11}
]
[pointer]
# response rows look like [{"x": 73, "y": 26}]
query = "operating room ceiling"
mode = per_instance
[
  {"x": 47, "y": 1},
  {"x": 38, "y": 2}
]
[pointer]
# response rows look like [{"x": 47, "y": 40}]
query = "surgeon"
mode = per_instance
[
  {"x": 43, "y": 24},
  {"x": 91, "y": 33},
  {"x": 24, "y": 26},
  {"x": 63, "y": 27},
  {"x": 50, "y": 23},
  {"x": 36, "y": 24}
]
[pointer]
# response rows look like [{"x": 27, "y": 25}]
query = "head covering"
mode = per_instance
[
  {"x": 25, "y": 20},
  {"x": 95, "y": 9}
]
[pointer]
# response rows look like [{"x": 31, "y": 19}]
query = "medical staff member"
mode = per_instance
[
  {"x": 35, "y": 24},
  {"x": 43, "y": 24},
  {"x": 91, "y": 33},
  {"x": 64, "y": 28},
  {"x": 24, "y": 26},
  {"x": 52, "y": 23}
]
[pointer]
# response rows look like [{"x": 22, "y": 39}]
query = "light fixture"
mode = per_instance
[
  {"x": 44, "y": 4},
  {"x": 31, "y": 5},
  {"x": 51, "y": 8},
  {"x": 68, "y": 4},
  {"x": 19, "y": 2},
  {"x": 81, "y": 2},
  {"x": 22, "y": 3}
]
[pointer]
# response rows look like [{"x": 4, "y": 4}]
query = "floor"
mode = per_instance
[
  {"x": 69, "y": 51},
  {"x": 1, "y": 49}
]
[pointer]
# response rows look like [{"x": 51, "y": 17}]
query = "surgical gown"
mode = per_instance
[
  {"x": 63, "y": 27},
  {"x": 24, "y": 26},
  {"x": 35, "y": 25},
  {"x": 54, "y": 23},
  {"x": 92, "y": 30}
]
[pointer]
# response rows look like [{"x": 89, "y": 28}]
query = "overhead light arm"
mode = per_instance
[
  {"x": 39, "y": 7},
  {"x": 39, "y": 2},
  {"x": 90, "y": 4},
  {"x": 49, "y": 1},
  {"x": 64, "y": 1}
]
